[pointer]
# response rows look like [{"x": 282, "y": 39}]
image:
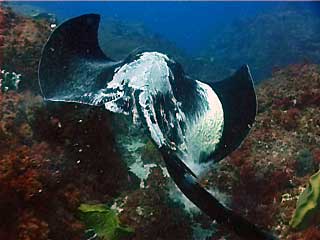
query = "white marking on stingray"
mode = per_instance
[
  {"x": 148, "y": 76},
  {"x": 149, "y": 72},
  {"x": 133, "y": 91},
  {"x": 204, "y": 131}
]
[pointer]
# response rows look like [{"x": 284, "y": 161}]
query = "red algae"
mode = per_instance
[
  {"x": 21, "y": 42},
  {"x": 265, "y": 184},
  {"x": 41, "y": 181},
  {"x": 43, "y": 178}
]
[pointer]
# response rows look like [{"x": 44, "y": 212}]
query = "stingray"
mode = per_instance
[{"x": 185, "y": 118}]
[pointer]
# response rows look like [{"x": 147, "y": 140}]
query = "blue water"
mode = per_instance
[{"x": 188, "y": 24}]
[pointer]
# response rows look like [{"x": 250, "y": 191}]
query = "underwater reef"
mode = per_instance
[
  {"x": 118, "y": 38},
  {"x": 21, "y": 41},
  {"x": 266, "y": 175},
  {"x": 56, "y": 158},
  {"x": 285, "y": 35}
]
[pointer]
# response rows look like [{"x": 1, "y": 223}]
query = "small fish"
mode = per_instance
[{"x": 191, "y": 122}]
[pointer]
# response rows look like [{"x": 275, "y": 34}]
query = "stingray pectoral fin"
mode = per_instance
[
  {"x": 73, "y": 67},
  {"x": 239, "y": 103}
]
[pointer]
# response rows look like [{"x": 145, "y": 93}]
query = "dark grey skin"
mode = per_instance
[{"x": 73, "y": 68}]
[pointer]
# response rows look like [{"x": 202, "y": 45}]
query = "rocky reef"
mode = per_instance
[
  {"x": 56, "y": 157},
  {"x": 285, "y": 35},
  {"x": 268, "y": 172},
  {"x": 118, "y": 39},
  {"x": 21, "y": 41}
]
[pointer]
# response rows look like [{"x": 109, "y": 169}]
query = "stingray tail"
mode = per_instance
[
  {"x": 187, "y": 183},
  {"x": 72, "y": 67}
]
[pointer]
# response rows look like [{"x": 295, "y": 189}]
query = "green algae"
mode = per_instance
[
  {"x": 308, "y": 204},
  {"x": 104, "y": 222}
]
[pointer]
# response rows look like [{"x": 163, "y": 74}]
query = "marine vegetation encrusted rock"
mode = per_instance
[
  {"x": 50, "y": 163},
  {"x": 21, "y": 41},
  {"x": 262, "y": 175}
]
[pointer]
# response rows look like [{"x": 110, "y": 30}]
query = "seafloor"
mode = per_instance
[{"x": 54, "y": 157}]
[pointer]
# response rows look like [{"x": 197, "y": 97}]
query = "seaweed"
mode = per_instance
[
  {"x": 103, "y": 222},
  {"x": 308, "y": 204}
]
